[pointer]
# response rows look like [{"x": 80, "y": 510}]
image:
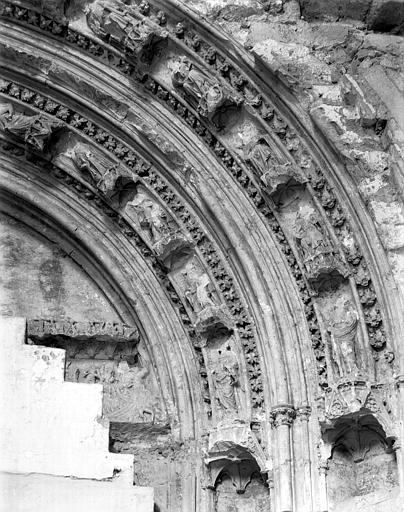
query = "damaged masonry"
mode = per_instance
[{"x": 201, "y": 249}]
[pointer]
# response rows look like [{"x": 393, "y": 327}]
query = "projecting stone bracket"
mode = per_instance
[
  {"x": 212, "y": 322},
  {"x": 234, "y": 451},
  {"x": 173, "y": 250},
  {"x": 355, "y": 397}
]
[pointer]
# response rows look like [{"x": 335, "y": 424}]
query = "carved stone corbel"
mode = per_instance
[
  {"x": 357, "y": 398},
  {"x": 235, "y": 452},
  {"x": 211, "y": 322},
  {"x": 173, "y": 250}
]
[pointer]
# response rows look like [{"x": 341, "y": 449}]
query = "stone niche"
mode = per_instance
[
  {"x": 238, "y": 469},
  {"x": 362, "y": 470}
]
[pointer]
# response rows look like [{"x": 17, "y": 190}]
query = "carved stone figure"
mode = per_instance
[
  {"x": 170, "y": 246},
  {"x": 210, "y": 98},
  {"x": 34, "y": 130},
  {"x": 225, "y": 373},
  {"x": 200, "y": 291},
  {"x": 129, "y": 391},
  {"x": 100, "y": 169},
  {"x": 272, "y": 173},
  {"x": 152, "y": 218},
  {"x": 315, "y": 247},
  {"x": 343, "y": 326},
  {"x": 119, "y": 25}
]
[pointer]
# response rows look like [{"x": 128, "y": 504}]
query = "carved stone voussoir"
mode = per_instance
[
  {"x": 212, "y": 99},
  {"x": 117, "y": 23},
  {"x": 40, "y": 329},
  {"x": 35, "y": 130},
  {"x": 282, "y": 415}
]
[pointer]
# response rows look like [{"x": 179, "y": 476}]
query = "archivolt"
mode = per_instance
[{"x": 119, "y": 96}]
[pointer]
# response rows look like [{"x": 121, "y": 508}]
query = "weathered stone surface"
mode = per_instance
[{"x": 237, "y": 169}]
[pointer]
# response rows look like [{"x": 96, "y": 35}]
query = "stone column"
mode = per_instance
[
  {"x": 323, "y": 500},
  {"x": 399, "y": 443},
  {"x": 324, "y": 453},
  {"x": 281, "y": 418},
  {"x": 302, "y": 459}
]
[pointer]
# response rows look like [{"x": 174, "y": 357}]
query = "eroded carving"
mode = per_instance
[
  {"x": 117, "y": 23},
  {"x": 234, "y": 452},
  {"x": 41, "y": 329},
  {"x": 102, "y": 171},
  {"x": 170, "y": 245},
  {"x": 271, "y": 172},
  {"x": 343, "y": 326},
  {"x": 211, "y": 98},
  {"x": 226, "y": 376},
  {"x": 282, "y": 415},
  {"x": 35, "y": 130},
  {"x": 211, "y": 318},
  {"x": 317, "y": 252},
  {"x": 130, "y": 394}
]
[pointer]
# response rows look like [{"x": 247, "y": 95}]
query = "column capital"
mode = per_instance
[
  {"x": 282, "y": 414},
  {"x": 303, "y": 412}
]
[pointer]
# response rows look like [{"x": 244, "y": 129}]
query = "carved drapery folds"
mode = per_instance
[
  {"x": 100, "y": 170},
  {"x": 211, "y": 318},
  {"x": 225, "y": 371},
  {"x": 343, "y": 336},
  {"x": 36, "y": 130},
  {"x": 212, "y": 99},
  {"x": 317, "y": 252},
  {"x": 170, "y": 245},
  {"x": 272, "y": 174},
  {"x": 119, "y": 25}
]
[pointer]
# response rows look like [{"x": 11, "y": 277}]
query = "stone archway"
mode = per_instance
[{"x": 221, "y": 220}]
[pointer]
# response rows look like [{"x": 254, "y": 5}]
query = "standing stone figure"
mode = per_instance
[
  {"x": 199, "y": 290},
  {"x": 208, "y": 96},
  {"x": 226, "y": 377},
  {"x": 343, "y": 327},
  {"x": 152, "y": 218}
]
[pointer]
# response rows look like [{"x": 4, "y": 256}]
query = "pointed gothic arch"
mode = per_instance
[{"x": 245, "y": 226}]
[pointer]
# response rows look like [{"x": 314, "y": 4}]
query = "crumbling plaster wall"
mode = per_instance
[
  {"x": 50, "y": 429},
  {"x": 344, "y": 63},
  {"x": 39, "y": 280}
]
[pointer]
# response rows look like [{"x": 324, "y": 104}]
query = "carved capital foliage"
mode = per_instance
[{"x": 282, "y": 415}]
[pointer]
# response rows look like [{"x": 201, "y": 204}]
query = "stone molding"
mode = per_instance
[{"x": 281, "y": 415}]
